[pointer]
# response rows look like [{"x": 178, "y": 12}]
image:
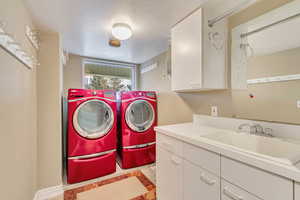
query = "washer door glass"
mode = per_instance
[
  {"x": 140, "y": 115},
  {"x": 93, "y": 119}
]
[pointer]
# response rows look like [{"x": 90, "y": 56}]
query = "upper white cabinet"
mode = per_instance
[{"x": 198, "y": 53}]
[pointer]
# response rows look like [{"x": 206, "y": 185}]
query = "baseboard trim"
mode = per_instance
[{"x": 46, "y": 193}]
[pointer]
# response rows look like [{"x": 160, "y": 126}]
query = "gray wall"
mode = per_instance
[
  {"x": 30, "y": 120},
  {"x": 49, "y": 88},
  {"x": 178, "y": 107},
  {"x": 171, "y": 107},
  {"x": 18, "y": 138},
  {"x": 73, "y": 73}
]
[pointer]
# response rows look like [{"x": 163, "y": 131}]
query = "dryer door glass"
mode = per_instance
[
  {"x": 140, "y": 115},
  {"x": 93, "y": 119}
]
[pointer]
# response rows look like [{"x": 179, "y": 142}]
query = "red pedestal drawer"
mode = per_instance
[
  {"x": 90, "y": 168},
  {"x": 137, "y": 157}
]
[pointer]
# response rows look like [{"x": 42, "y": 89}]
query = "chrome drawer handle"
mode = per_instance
[
  {"x": 195, "y": 85},
  {"x": 232, "y": 195},
  {"x": 166, "y": 144},
  {"x": 207, "y": 180}
]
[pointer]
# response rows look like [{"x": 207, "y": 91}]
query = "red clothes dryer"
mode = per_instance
[
  {"x": 138, "y": 117},
  {"x": 91, "y": 136}
]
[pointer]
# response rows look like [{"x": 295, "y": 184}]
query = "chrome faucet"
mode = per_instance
[
  {"x": 257, "y": 129},
  {"x": 251, "y": 127}
]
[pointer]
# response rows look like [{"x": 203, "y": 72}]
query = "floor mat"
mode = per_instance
[{"x": 131, "y": 186}]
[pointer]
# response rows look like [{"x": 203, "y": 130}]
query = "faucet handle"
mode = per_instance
[
  {"x": 258, "y": 129},
  {"x": 269, "y": 132}
]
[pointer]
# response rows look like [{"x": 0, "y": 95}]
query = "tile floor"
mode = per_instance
[{"x": 147, "y": 171}]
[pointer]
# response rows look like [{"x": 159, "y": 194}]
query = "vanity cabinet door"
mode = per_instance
[
  {"x": 297, "y": 191},
  {"x": 168, "y": 175},
  {"x": 199, "y": 184}
]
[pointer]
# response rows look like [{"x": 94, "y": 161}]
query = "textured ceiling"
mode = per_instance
[{"x": 85, "y": 25}]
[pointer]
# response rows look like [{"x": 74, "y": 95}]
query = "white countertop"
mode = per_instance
[{"x": 194, "y": 134}]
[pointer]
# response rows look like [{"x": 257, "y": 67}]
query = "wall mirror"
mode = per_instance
[{"x": 265, "y": 66}]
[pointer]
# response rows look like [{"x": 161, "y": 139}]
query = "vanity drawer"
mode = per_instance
[
  {"x": 258, "y": 182},
  {"x": 170, "y": 144},
  {"x": 231, "y": 192},
  {"x": 203, "y": 158}
]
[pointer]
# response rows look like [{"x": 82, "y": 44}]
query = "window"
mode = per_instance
[{"x": 101, "y": 75}]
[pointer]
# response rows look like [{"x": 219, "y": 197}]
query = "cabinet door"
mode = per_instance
[
  {"x": 168, "y": 175},
  {"x": 297, "y": 191},
  {"x": 187, "y": 53},
  {"x": 199, "y": 184}
]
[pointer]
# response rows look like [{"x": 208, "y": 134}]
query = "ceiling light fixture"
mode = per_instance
[{"x": 121, "y": 31}]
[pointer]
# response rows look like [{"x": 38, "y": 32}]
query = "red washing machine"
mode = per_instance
[
  {"x": 91, "y": 137},
  {"x": 138, "y": 117}
]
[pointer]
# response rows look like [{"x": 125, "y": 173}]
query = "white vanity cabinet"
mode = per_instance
[
  {"x": 181, "y": 173},
  {"x": 188, "y": 172},
  {"x": 198, "y": 53}
]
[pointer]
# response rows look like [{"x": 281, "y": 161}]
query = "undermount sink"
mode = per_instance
[{"x": 271, "y": 148}]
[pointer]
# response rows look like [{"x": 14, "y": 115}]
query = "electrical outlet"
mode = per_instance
[
  {"x": 298, "y": 104},
  {"x": 214, "y": 111}
]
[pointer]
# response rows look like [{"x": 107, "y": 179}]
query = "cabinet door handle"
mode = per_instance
[
  {"x": 195, "y": 85},
  {"x": 207, "y": 180},
  {"x": 175, "y": 160},
  {"x": 232, "y": 195},
  {"x": 167, "y": 145}
]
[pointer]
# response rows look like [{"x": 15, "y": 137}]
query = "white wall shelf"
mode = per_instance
[
  {"x": 32, "y": 37},
  {"x": 274, "y": 79},
  {"x": 10, "y": 45}
]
